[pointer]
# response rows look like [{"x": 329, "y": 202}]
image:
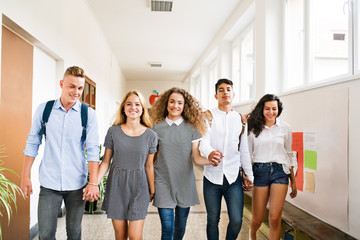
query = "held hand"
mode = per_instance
[
  {"x": 293, "y": 193},
  {"x": 215, "y": 157},
  {"x": 26, "y": 186},
  {"x": 245, "y": 118},
  {"x": 247, "y": 184},
  {"x": 152, "y": 195},
  {"x": 91, "y": 193}
]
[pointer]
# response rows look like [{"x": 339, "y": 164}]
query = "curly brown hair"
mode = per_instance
[{"x": 192, "y": 110}]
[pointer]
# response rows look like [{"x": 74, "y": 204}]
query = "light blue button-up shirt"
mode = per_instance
[{"x": 63, "y": 167}]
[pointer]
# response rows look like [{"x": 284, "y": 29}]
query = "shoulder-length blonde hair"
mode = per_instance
[
  {"x": 121, "y": 117},
  {"x": 192, "y": 112}
]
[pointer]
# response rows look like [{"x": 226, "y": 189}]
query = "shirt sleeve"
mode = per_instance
[
  {"x": 245, "y": 156},
  {"x": 291, "y": 155},
  {"x": 251, "y": 138},
  {"x": 92, "y": 138},
  {"x": 34, "y": 139},
  {"x": 196, "y": 136},
  {"x": 108, "y": 143},
  {"x": 288, "y": 140},
  {"x": 154, "y": 143},
  {"x": 204, "y": 146}
]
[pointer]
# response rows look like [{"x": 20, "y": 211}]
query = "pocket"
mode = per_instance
[
  {"x": 279, "y": 140},
  {"x": 257, "y": 166}
]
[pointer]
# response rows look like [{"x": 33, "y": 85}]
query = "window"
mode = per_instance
[
  {"x": 213, "y": 77},
  {"x": 243, "y": 67},
  {"x": 356, "y": 7},
  {"x": 317, "y": 43},
  {"x": 198, "y": 88},
  {"x": 89, "y": 95},
  {"x": 294, "y": 40},
  {"x": 329, "y": 57},
  {"x": 195, "y": 86}
]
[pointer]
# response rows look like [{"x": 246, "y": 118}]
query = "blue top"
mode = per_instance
[{"x": 63, "y": 166}]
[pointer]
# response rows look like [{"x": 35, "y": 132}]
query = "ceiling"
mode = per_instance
[{"x": 175, "y": 39}]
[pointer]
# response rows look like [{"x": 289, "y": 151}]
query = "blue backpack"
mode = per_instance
[{"x": 46, "y": 114}]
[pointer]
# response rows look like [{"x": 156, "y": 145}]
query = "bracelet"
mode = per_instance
[
  {"x": 152, "y": 193},
  {"x": 94, "y": 184}
]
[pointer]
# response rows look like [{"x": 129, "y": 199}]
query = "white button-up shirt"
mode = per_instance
[
  {"x": 223, "y": 135},
  {"x": 273, "y": 145}
]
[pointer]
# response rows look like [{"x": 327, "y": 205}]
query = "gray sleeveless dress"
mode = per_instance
[{"x": 127, "y": 191}]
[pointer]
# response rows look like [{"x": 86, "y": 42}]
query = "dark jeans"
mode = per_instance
[
  {"x": 234, "y": 198},
  {"x": 49, "y": 207},
  {"x": 167, "y": 222}
]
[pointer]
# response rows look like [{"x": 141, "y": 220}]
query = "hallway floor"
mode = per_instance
[{"x": 98, "y": 227}]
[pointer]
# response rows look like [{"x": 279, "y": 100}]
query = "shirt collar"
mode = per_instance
[
  {"x": 277, "y": 123},
  {"x": 222, "y": 112},
  {"x": 75, "y": 107},
  {"x": 177, "y": 122}
]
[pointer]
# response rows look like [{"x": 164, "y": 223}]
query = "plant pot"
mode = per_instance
[{"x": 91, "y": 207}]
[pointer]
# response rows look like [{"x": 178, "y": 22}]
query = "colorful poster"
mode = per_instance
[
  {"x": 311, "y": 159},
  {"x": 310, "y": 182},
  {"x": 298, "y": 147},
  {"x": 310, "y": 141}
]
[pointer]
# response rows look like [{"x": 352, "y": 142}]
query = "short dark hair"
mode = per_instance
[{"x": 221, "y": 81}]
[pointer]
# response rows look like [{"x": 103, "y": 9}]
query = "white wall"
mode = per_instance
[
  {"x": 67, "y": 34},
  {"x": 146, "y": 88}
]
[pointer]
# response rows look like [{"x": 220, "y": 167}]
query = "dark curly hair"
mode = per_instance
[
  {"x": 256, "y": 120},
  {"x": 192, "y": 112}
]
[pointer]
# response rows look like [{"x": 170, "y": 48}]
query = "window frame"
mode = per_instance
[
  {"x": 353, "y": 49},
  {"x": 91, "y": 102},
  {"x": 237, "y": 75},
  {"x": 213, "y": 73}
]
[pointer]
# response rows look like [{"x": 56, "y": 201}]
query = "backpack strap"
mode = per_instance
[
  {"x": 84, "y": 119},
  {"x": 45, "y": 117}
]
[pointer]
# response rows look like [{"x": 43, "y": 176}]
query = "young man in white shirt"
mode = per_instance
[{"x": 223, "y": 177}]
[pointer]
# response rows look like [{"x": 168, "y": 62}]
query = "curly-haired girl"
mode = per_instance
[{"x": 179, "y": 125}]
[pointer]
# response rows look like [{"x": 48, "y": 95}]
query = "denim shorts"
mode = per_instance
[{"x": 266, "y": 174}]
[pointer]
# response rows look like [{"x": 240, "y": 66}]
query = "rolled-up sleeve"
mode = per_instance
[
  {"x": 205, "y": 147},
  {"x": 245, "y": 156},
  {"x": 34, "y": 139},
  {"x": 92, "y": 138}
]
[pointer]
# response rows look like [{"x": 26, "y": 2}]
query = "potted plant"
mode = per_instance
[
  {"x": 8, "y": 191},
  {"x": 91, "y": 207}
]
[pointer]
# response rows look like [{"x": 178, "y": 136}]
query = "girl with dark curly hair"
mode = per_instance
[
  {"x": 270, "y": 141},
  {"x": 179, "y": 123}
]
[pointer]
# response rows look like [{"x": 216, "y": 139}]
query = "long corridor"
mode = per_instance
[{"x": 98, "y": 227}]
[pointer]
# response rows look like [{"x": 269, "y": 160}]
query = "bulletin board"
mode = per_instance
[{"x": 321, "y": 116}]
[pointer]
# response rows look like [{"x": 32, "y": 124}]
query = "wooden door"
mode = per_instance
[{"x": 15, "y": 121}]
